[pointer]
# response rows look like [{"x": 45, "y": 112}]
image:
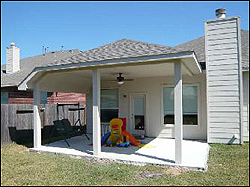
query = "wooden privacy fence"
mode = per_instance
[{"x": 17, "y": 119}]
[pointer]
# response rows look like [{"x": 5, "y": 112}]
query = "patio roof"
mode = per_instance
[
  {"x": 118, "y": 54},
  {"x": 120, "y": 49},
  {"x": 80, "y": 76}
]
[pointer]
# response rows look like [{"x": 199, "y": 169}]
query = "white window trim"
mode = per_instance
[
  {"x": 118, "y": 108},
  {"x": 199, "y": 112}
]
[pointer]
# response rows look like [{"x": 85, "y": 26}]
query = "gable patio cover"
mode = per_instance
[{"x": 85, "y": 70}]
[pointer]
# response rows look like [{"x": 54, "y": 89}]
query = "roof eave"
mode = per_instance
[
  {"x": 112, "y": 62},
  {"x": 8, "y": 85}
]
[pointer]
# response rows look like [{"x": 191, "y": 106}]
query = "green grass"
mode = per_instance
[{"x": 228, "y": 165}]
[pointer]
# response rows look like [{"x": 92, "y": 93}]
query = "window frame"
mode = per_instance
[
  {"x": 198, "y": 103},
  {"x": 7, "y": 96},
  {"x": 41, "y": 98},
  {"x": 118, "y": 108}
]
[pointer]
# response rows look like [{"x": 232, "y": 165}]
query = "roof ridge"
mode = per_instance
[
  {"x": 118, "y": 49},
  {"x": 126, "y": 39},
  {"x": 149, "y": 43}
]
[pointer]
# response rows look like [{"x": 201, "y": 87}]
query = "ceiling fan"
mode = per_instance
[{"x": 120, "y": 79}]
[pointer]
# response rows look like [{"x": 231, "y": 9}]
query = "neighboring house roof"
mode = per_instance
[
  {"x": 198, "y": 46},
  {"x": 120, "y": 49},
  {"x": 28, "y": 64}
]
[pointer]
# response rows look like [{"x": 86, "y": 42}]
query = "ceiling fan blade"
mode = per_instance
[
  {"x": 111, "y": 80},
  {"x": 116, "y": 80}
]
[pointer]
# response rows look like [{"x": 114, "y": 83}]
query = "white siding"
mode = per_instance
[
  {"x": 246, "y": 106},
  {"x": 246, "y": 122},
  {"x": 223, "y": 81}
]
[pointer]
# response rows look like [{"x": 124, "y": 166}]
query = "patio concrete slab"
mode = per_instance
[{"x": 159, "y": 151}]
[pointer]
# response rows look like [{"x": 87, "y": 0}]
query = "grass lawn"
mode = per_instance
[{"x": 228, "y": 165}]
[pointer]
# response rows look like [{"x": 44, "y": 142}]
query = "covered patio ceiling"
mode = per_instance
[{"x": 79, "y": 79}]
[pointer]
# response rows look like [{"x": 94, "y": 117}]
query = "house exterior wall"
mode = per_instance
[
  {"x": 66, "y": 98},
  {"x": 20, "y": 97},
  {"x": 26, "y": 97},
  {"x": 153, "y": 88},
  {"x": 246, "y": 106},
  {"x": 224, "y": 90}
]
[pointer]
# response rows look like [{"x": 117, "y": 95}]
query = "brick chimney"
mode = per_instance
[{"x": 12, "y": 59}]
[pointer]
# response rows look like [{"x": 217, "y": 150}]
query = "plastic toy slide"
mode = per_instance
[
  {"x": 118, "y": 136},
  {"x": 131, "y": 138}
]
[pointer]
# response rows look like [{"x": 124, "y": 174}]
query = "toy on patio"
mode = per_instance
[
  {"x": 119, "y": 136},
  {"x": 116, "y": 132}
]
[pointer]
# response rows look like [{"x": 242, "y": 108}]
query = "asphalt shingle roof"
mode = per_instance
[
  {"x": 123, "y": 48},
  {"x": 28, "y": 64},
  {"x": 198, "y": 46},
  {"x": 120, "y": 49}
]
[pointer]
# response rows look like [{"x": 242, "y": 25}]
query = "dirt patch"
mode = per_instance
[
  {"x": 98, "y": 160},
  {"x": 150, "y": 175},
  {"x": 175, "y": 171}
]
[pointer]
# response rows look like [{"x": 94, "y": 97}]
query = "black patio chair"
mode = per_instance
[
  {"x": 60, "y": 130},
  {"x": 69, "y": 130},
  {"x": 64, "y": 129},
  {"x": 73, "y": 131}
]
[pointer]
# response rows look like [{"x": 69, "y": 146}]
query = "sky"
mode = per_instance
[{"x": 86, "y": 25}]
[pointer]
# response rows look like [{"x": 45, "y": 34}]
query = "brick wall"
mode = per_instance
[
  {"x": 20, "y": 97},
  {"x": 26, "y": 97},
  {"x": 57, "y": 97}
]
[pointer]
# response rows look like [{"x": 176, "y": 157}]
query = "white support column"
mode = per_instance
[
  {"x": 36, "y": 117},
  {"x": 178, "y": 112},
  {"x": 96, "y": 112}
]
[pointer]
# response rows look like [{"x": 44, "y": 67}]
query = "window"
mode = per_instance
[
  {"x": 189, "y": 102},
  {"x": 4, "y": 97},
  {"x": 190, "y": 105},
  {"x": 168, "y": 101},
  {"x": 43, "y": 97},
  {"x": 109, "y": 104}
]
